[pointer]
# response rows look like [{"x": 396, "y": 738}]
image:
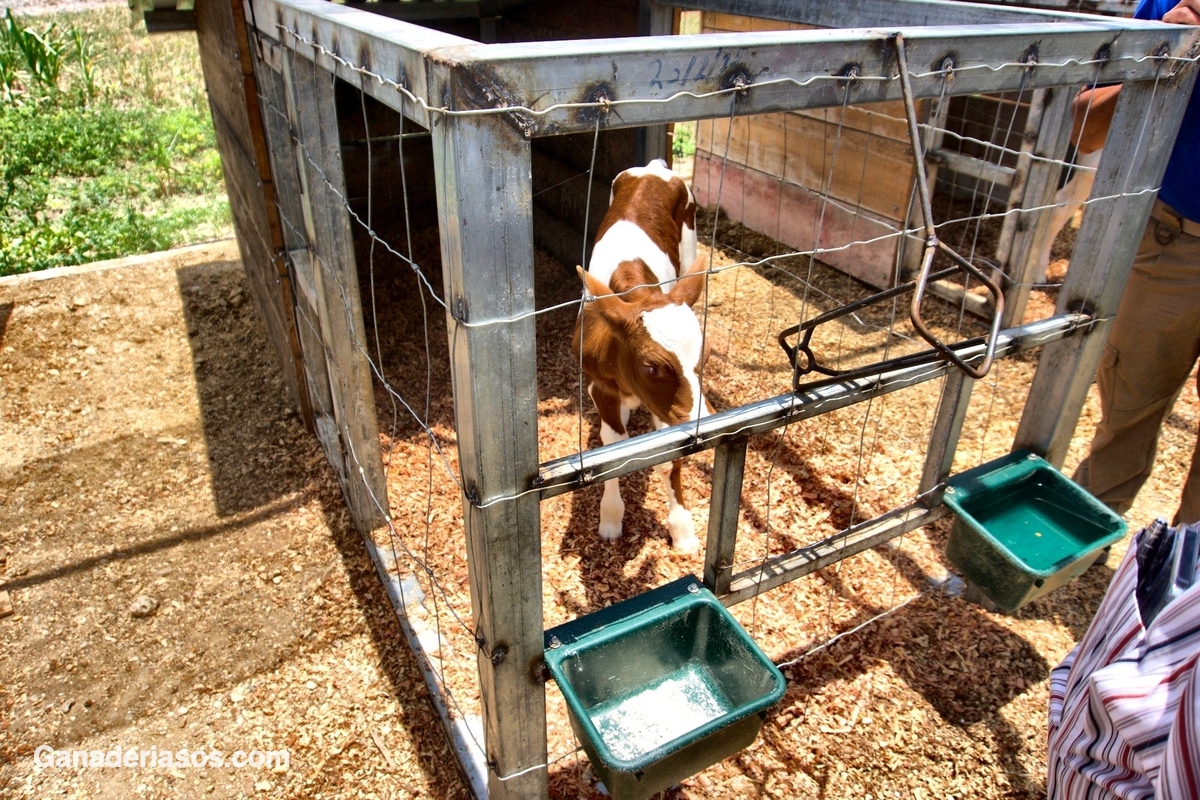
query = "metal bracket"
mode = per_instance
[
  {"x": 811, "y": 364},
  {"x": 941, "y": 351}
]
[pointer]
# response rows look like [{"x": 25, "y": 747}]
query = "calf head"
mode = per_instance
[{"x": 647, "y": 343}]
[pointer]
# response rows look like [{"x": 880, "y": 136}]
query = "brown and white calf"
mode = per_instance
[{"x": 641, "y": 341}]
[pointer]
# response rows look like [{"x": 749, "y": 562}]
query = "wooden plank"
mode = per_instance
[
  {"x": 946, "y": 431},
  {"x": 282, "y": 157},
  {"x": 850, "y": 239},
  {"x": 871, "y": 173},
  {"x": 220, "y": 60},
  {"x": 317, "y": 377},
  {"x": 1139, "y": 143},
  {"x": 483, "y": 167},
  {"x": 984, "y": 172},
  {"x": 1041, "y": 186},
  {"x": 879, "y": 119},
  {"x": 801, "y": 65},
  {"x": 335, "y": 277},
  {"x": 551, "y": 79},
  {"x": 394, "y": 50},
  {"x": 719, "y": 21},
  {"x": 989, "y": 127}
]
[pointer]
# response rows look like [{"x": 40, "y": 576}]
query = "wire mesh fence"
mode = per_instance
[{"x": 789, "y": 196}]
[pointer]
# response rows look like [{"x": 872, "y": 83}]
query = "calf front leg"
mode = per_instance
[
  {"x": 614, "y": 421},
  {"x": 679, "y": 518}
]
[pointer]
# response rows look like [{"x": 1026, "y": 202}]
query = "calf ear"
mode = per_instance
[
  {"x": 690, "y": 285},
  {"x": 613, "y": 308}
]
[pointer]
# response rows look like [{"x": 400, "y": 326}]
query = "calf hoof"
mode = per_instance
[
  {"x": 683, "y": 534},
  {"x": 610, "y": 531},
  {"x": 612, "y": 511}
]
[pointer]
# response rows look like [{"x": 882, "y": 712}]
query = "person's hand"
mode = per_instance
[{"x": 1187, "y": 12}]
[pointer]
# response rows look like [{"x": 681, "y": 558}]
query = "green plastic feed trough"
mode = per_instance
[
  {"x": 661, "y": 686},
  {"x": 1024, "y": 528}
]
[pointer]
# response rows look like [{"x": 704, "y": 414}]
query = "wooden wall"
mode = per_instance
[
  {"x": 780, "y": 166},
  {"x": 551, "y": 20},
  {"x": 560, "y": 163},
  {"x": 228, "y": 68}
]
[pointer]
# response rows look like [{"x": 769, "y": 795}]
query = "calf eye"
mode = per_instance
[{"x": 657, "y": 372}]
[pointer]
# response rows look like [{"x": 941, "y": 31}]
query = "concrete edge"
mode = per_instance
[{"x": 115, "y": 263}]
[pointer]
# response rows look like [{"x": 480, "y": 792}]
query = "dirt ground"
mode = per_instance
[
  {"x": 147, "y": 449},
  {"x": 150, "y": 462}
]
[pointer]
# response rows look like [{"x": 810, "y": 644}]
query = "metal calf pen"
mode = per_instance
[{"x": 484, "y": 104}]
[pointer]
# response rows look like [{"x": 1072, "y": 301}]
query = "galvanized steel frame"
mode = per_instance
[{"x": 484, "y": 104}]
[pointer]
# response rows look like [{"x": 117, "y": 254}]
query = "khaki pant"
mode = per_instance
[{"x": 1152, "y": 346}]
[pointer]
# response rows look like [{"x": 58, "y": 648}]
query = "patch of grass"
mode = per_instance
[
  {"x": 683, "y": 141},
  {"x": 106, "y": 143}
]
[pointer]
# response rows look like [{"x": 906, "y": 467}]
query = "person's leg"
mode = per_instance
[{"x": 1152, "y": 344}]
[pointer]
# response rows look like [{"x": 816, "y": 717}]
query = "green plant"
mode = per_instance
[
  {"x": 40, "y": 54},
  {"x": 83, "y": 52},
  {"x": 92, "y": 168},
  {"x": 683, "y": 142}
]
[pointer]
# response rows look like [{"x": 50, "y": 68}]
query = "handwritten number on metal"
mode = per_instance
[{"x": 682, "y": 77}]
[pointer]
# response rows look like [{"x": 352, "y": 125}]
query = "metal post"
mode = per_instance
[{"x": 729, "y": 466}]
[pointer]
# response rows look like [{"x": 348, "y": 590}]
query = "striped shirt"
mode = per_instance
[{"x": 1125, "y": 704}]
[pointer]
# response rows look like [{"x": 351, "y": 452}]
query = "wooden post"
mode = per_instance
[
  {"x": 1139, "y": 143},
  {"x": 358, "y": 459},
  {"x": 296, "y": 229},
  {"x": 1036, "y": 187},
  {"x": 652, "y": 141},
  {"x": 485, "y": 203}
]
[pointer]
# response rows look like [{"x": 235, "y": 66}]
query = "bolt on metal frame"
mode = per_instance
[{"x": 485, "y": 103}]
